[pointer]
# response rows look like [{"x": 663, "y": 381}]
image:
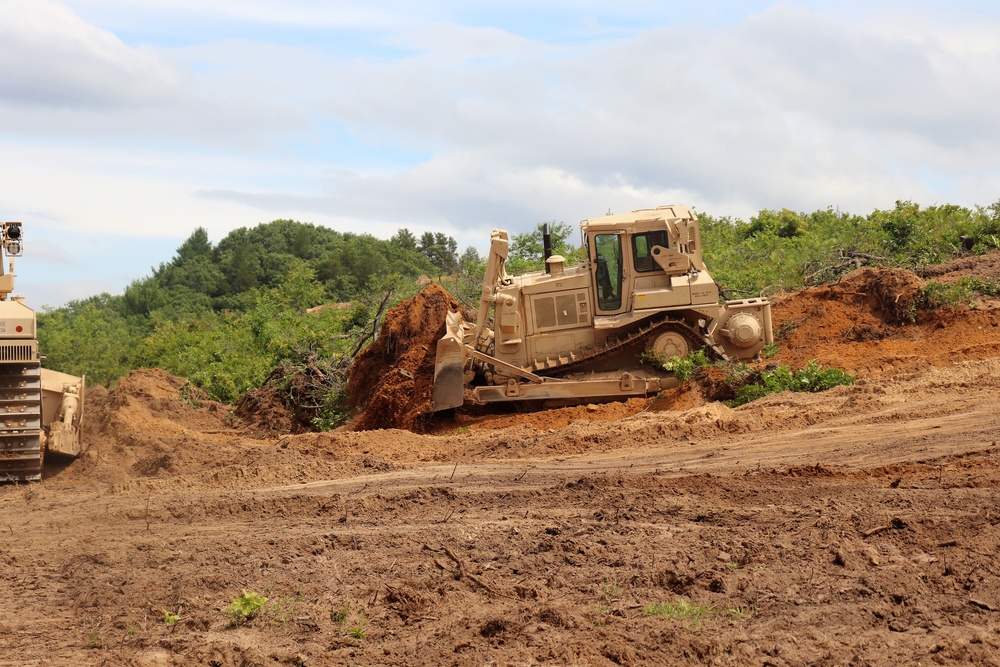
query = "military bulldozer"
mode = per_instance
[
  {"x": 593, "y": 331},
  {"x": 40, "y": 410}
]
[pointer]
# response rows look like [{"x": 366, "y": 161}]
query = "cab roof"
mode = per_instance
[{"x": 655, "y": 217}]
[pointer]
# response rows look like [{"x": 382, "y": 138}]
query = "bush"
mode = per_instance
[
  {"x": 684, "y": 367},
  {"x": 939, "y": 295},
  {"x": 812, "y": 378}
]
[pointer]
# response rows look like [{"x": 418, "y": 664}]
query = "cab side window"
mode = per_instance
[{"x": 642, "y": 246}]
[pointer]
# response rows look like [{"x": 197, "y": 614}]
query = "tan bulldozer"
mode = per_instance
[
  {"x": 40, "y": 410},
  {"x": 593, "y": 331}
]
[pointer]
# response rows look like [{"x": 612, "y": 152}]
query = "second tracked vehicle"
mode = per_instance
[
  {"x": 588, "y": 332},
  {"x": 40, "y": 409}
]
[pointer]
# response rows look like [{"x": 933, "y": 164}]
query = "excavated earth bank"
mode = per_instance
[
  {"x": 392, "y": 380},
  {"x": 854, "y": 526}
]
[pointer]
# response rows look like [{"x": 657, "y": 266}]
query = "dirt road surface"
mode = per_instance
[{"x": 854, "y": 526}]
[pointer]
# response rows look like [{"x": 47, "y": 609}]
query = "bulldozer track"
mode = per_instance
[
  {"x": 574, "y": 360},
  {"x": 20, "y": 422}
]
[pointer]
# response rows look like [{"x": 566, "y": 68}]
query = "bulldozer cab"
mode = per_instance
[{"x": 633, "y": 253}]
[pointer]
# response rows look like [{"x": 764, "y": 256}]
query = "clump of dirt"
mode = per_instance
[
  {"x": 294, "y": 396},
  {"x": 391, "y": 381},
  {"x": 894, "y": 294},
  {"x": 715, "y": 384},
  {"x": 266, "y": 407}
]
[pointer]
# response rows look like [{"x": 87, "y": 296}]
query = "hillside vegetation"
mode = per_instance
[{"x": 224, "y": 316}]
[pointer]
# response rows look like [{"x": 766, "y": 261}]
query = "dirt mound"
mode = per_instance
[
  {"x": 157, "y": 433},
  {"x": 892, "y": 294},
  {"x": 986, "y": 267},
  {"x": 391, "y": 381},
  {"x": 871, "y": 323},
  {"x": 150, "y": 425},
  {"x": 294, "y": 396},
  {"x": 266, "y": 409}
]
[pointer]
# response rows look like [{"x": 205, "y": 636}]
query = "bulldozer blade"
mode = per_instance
[
  {"x": 60, "y": 391},
  {"x": 449, "y": 366}
]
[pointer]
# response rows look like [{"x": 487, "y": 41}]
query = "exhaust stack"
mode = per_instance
[{"x": 546, "y": 246}]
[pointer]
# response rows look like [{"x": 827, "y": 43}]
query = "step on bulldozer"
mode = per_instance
[
  {"x": 593, "y": 331},
  {"x": 40, "y": 409}
]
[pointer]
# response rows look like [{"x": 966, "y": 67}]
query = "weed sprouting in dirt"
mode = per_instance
[
  {"x": 94, "y": 640},
  {"x": 611, "y": 592},
  {"x": 339, "y": 616},
  {"x": 169, "y": 618},
  {"x": 353, "y": 623},
  {"x": 275, "y": 610},
  {"x": 357, "y": 631},
  {"x": 786, "y": 329},
  {"x": 281, "y": 610},
  {"x": 245, "y": 608},
  {"x": 692, "y": 613},
  {"x": 609, "y": 595},
  {"x": 192, "y": 395}
]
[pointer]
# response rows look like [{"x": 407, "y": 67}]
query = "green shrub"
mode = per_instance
[
  {"x": 245, "y": 607},
  {"x": 982, "y": 286},
  {"x": 939, "y": 295},
  {"x": 812, "y": 377},
  {"x": 682, "y": 367},
  {"x": 961, "y": 293}
]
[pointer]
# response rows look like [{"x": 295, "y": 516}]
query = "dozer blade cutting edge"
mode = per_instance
[{"x": 449, "y": 365}]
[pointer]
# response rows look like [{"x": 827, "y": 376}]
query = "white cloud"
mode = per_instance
[
  {"x": 142, "y": 14},
  {"x": 49, "y": 57},
  {"x": 387, "y": 116}
]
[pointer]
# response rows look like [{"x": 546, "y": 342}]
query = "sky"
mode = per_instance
[{"x": 127, "y": 124}]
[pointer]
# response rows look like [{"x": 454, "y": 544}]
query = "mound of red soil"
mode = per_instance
[
  {"x": 391, "y": 382},
  {"x": 871, "y": 323}
]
